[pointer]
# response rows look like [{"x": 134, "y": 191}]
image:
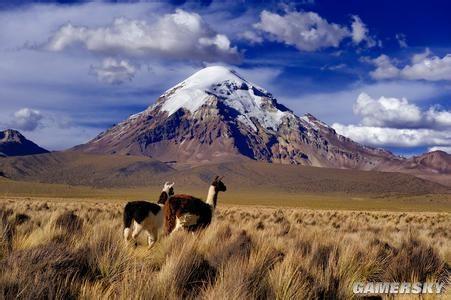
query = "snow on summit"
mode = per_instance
[{"x": 229, "y": 87}]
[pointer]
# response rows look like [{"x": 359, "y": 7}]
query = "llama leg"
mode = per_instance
[
  {"x": 178, "y": 225},
  {"x": 127, "y": 234},
  {"x": 151, "y": 238},
  {"x": 136, "y": 231}
]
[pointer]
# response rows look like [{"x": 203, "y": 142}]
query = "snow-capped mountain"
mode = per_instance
[
  {"x": 217, "y": 115},
  {"x": 252, "y": 103},
  {"x": 13, "y": 143}
]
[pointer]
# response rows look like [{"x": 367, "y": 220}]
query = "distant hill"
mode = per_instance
[
  {"x": 127, "y": 171},
  {"x": 13, "y": 143},
  {"x": 434, "y": 162},
  {"x": 83, "y": 169}
]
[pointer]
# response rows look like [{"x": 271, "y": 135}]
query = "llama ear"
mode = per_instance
[
  {"x": 216, "y": 179},
  {"x": 221, "y": 178},
  {"x": 172, "y": 184}
]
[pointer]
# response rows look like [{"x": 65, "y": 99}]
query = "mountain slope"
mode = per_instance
[
  {"x": 139, "y": 171},
  {"x": 257, "y": 176},
  {"x": 13, "y": 143},
  {"x": 84, "y": 169},
  {"x": 433, "y": 166},
  {"x": 216, "y": 115},
  {"x": 434, "y": 162}
]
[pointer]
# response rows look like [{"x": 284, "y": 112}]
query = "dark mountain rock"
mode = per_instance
[{"x": 13, "y": 143}]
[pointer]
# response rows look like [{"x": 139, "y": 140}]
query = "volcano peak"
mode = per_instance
[{"x": 217, "y": 115}]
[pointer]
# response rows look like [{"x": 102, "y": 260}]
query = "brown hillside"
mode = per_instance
[
  {"x": 83, "y": 169},
  {"x": 126, "y": 171}
]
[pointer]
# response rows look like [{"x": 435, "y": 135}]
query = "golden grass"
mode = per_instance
[
  {"x": 246, "y": 253},
  {"x": 10, "y": 189}
]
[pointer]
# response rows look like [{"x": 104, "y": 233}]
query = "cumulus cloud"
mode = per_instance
[
  {"x": 180, "y": 35},
  {"x": 419, "y": 57},
  {"x": 384, "y": 68},
  {"x": 307, "y": 31},
  {"x": 391, "y": 112},
  {"x": 114, "y": 71},
  {"x": 423, "y": 66},
  {"x": 437, "y": 117},
  {"x": 385, "y": 136},
  {"x": 430, "y": 68},
  {"x": 440, "y": 148},
  {"x": 25, "y": 119},
  {"x": 390, "y": 121},
  {"x": 399, "y": 113}
]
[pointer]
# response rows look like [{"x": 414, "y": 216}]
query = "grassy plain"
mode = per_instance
[
  {"x": 258, "y": 197},
  {"x": 65, "y": 242},
  {"x": 73, "y": 249}
]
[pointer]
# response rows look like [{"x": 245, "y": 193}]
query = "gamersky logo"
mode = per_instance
[{"x": 372, "y": 288}]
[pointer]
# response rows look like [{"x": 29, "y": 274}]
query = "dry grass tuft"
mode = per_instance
[
  {"x": 74, "y": 250},
  {"x": 21, "y": 218},
  {"x": 70, "y": 222},
  {"x": 50, "y": 271}
]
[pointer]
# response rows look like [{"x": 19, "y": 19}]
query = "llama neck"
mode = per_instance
[
  {"x": 212, "y": 196},
  {"x": 164, "y": 196}
]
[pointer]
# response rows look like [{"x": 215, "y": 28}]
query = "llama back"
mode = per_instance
[{"x": 179, "y": 205}]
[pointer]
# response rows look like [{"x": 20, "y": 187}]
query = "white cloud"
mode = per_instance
[
  {"x": 390, "y": 121},
  {"x": 423, "y": 67},
  {"x": 431, "y": 68},
  {"x": 399, "y": 113},
  {"x": 391, "y": 112},
  {"x": 114, "y": 71},
  {"x": 384, "y": 136},
  {"x": 440, "y": 118},
  {"x": 307, "y": 31},
  {"x": 440, "y": 148},
  {"x": 251, "y": 36},
  {"x": 25, "y": 119},
  {"x": 359, "y": 32},
  {"x": 337, "y": 106},
  {"x": 385, "y": 68},
  {"x": 180, "y": 35}
]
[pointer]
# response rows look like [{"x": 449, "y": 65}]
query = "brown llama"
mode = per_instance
[
  {"x": 147, "y": 216},
  {"x": 191, "y": 213}
]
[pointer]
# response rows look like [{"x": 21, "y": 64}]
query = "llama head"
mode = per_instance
[
  {"x": 169, "y": 188},
  {"x": 166, "y": 193},
  {"x": 218, "y": 184}
]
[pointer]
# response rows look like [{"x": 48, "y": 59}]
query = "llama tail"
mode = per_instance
[
  {"x": 169, "y": 216},
  {"x": 128, "y": 218}
]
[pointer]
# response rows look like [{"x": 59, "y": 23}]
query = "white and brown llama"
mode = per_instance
[
  {"x": 146, "y": 216},
  {"x": 191, "y": 213}
]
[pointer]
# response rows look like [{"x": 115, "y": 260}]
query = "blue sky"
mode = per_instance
[{"x": 377, "y": 71}]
